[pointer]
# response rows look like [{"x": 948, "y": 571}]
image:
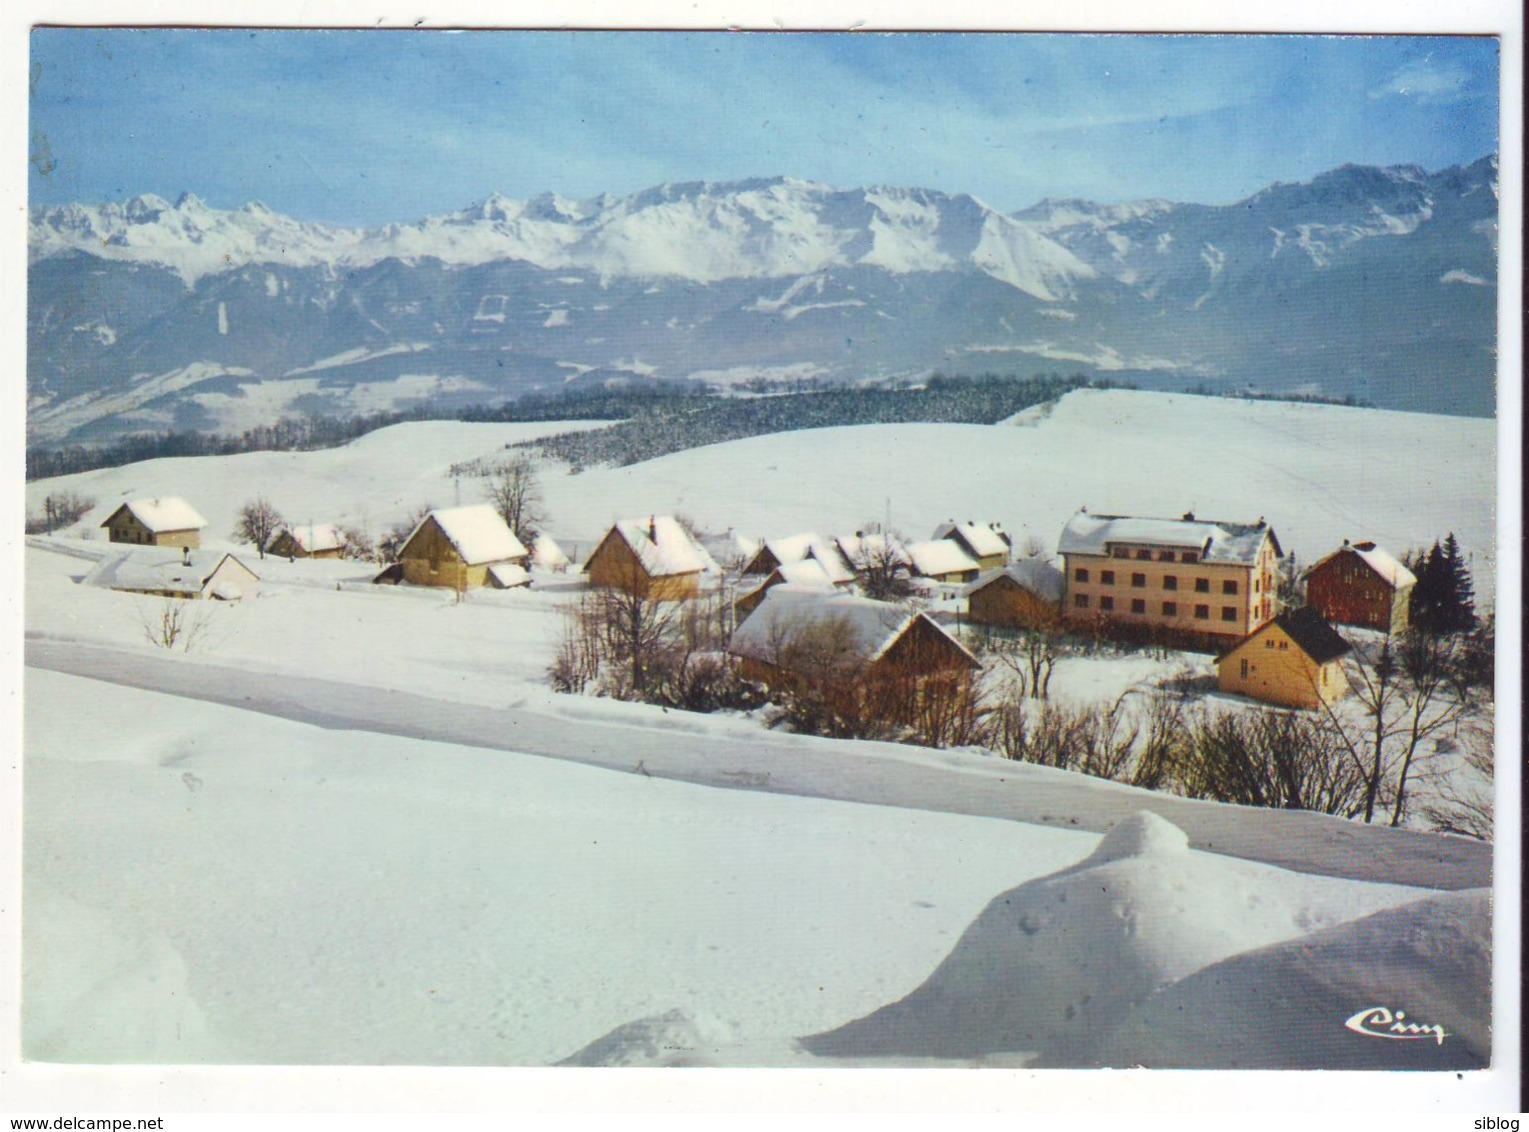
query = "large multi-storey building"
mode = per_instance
[{"x": 1193, "y": 580}]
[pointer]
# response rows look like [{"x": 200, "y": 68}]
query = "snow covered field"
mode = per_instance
[{"x": 352, "y": 825}]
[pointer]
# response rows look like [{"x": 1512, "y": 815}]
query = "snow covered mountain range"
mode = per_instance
[{"x": 1380, "y": 283}]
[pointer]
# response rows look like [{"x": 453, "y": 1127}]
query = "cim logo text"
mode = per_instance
[{"x": 1380, "y": 1022}]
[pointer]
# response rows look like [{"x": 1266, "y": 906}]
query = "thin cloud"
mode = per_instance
[{"x": 1426, "y": 82}]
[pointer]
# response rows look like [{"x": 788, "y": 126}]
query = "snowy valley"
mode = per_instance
[{"x": 367, "y": 803}]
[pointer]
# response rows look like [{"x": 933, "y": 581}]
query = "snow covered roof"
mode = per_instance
[
  {"x": 314, "y": 537},
  {"x": 797, "y": 548},
  {"x": 548, "y": 554},
  {"x": 165, "y": 570},
  {"x": 1041, "y": 578},
  {"x": 983, "y": 539},
  {"x": 807, "y": 572},
  {"x": 1214, "y": 539},
  {"x": 790, "y": 608},
  {"x": 477, "y": 532},
  {"x": 508, "y": 575},
  {"x": 167, "y": 513},
  {"x": 937, "y": 557},
  {"x": 1379, "y": 560},
  {"x": 857, "y": 548},
  {"x": 664, "y": 547}
]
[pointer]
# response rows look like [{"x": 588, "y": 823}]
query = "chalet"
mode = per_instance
[
  {"x": 308, "y": 540},
  {"x": 777, "y": 552},
  {"x": 1363, "y": 586},
  {"x": 942, "y": 560},
  {"x": 187, "y": 573},
  {"x": 1205, "y": 583},
  {"x": 804, "y": 575},
  {"x": 1294, "y": 661},
  {"x": 1023, "y": 595},
  {"x": 870, "y": 654},
  {"x": 986, "y": 543},
  {"x": 167, "y": 521},
  {"x": 651, "y": 558},
  {"x": 463, "y": 548}
]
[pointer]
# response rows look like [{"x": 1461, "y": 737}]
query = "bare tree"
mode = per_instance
[
  {"x": 1462, "y": 802},
  {"x": 258, "y": 523},
  {"x": 59, "y": 510},
  {"x": 175, "y": 621},
  {"x": 883, "y": 567},
  {"x": 515, "y": 491},
  {"x": 357, "y": 545},
  {"x": 1406, "y": 697},
  {"x": 1280, "y": 759}
]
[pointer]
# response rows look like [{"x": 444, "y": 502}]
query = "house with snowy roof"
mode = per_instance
[
  {"x": 1202, "y": 583},
  {"x": 1360, "y": 584},
  {"x": 546, "y": 554},
  {"x": 308, "y": 540},
  {"x": 872, "y": 550},
  {"x": 1295, "y": 660},
  {"x": 193, "y": 574},
  {"x": 807, "y": 574},
  {"x": 653, "y": 558},
  {"x": 777, "y": 552},
  {"x": 986, "y": 543},
  {"x": 860, "y": 654},
  {"x": 1022, "y": 595},
  {"x": 166, "y": 521},
  {"x": 942, "y": 560},
  {"x": 464, "y": 548}
]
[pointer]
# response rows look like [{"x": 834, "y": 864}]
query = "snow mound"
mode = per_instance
[
  {"x": 1331, "y": 999},
  {"x": 675, "y": 1038},
  {"x": 1051, "y": 968}
]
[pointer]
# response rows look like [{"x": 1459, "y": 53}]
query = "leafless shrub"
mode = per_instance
[
  {"x": 175, "y": 621},
  {"x": 1462, "y": 800},
  {"x": 59, "y": 510}
]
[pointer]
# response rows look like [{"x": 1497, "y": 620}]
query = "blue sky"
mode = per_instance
[{"x": 368, "y": 127}]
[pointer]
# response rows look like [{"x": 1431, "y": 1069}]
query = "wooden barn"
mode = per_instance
[
  {"x": 1023, "y": 595},
  {"x": 463, "y": 548},
  {"x": 1363, "y": 586},
  {"x": 652, "y": 558},
  {"x": 1295, "y": 660},
  {"x": 167, "y": 521},
  {"x": 871, "y": 655},
  {"x": 190, "y": 574},
  {"x": 985, "y": 543},
  {"x": 308, "y": 540}
]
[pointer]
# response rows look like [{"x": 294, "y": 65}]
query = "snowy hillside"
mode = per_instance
[
  {"x": 1318, "y": 473},
  {"x": 1374, "y": 283}
]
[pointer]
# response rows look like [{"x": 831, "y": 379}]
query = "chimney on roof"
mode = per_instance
[
  {"x": 1189, "y": 516},
  {"x": 185, "y": 556},
  {"x": 1345, "y": 542},
  {"x": 653, "y": 528}
]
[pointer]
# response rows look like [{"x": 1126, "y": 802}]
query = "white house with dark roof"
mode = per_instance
[
  {"x": 1204, "y": 582},
  {"x": 166, "y": 521}
]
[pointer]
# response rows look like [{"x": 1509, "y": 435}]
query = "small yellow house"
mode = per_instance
[
  {"x": 1294, "y": 661},
  {"x": 464, "y": 548},
  {"x": 652, "y": 558},
  {"x": 308, "y": 540},
  {"x": 167, "y": 521},
  {"x": 985, "y": 543}
]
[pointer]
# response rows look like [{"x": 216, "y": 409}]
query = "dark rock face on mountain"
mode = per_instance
[{"x": 1374, "y": 283}]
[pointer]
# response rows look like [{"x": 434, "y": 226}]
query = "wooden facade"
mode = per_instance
[
  {"x": 289, "y": 545},
  {"x": 1003, "y": 602},
  {"x": 615, "y": 565},
  {"x": 1347, "y": 588},
  {"x": 126, "y": 527},
  {"x": 431, "y": 558},
  {"x": 1293, "y": 661}
]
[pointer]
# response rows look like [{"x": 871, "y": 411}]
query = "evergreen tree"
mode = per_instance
[{"x": 1458, "y": 612}]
